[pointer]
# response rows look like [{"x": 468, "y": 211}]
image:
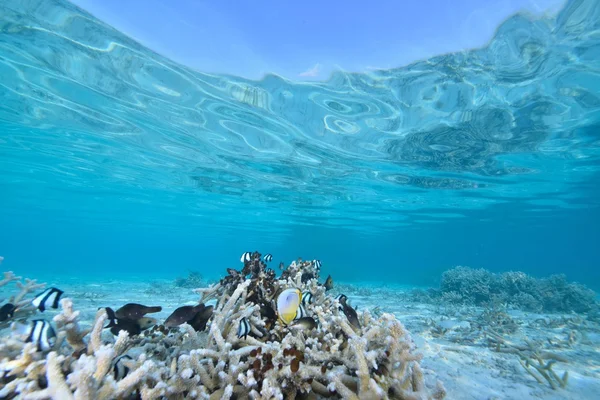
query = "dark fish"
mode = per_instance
[
  {"x": 243, "y": 328},
  {"x": 306, "y": 276},
  {"x": 328, "y": 283},
  {"x": 48, "y": 298},
  {"x": 37, "y": 331},
  {"x": 281, "y": 265},
  {"x": 267, "y": 312},
  {"x": 7, "y": 311},
  {"x": 201, "y": 319},
  {"x": 307, "y": 298},
  {"x": 134, "y": 311},
  {"x": 317, "y": 264},
  {"x": 133, "y": 327},
  {"x": 246, "y": 257},
  {"x": 305, "y": 323},
  {"x": 146, "y": 322},
  {"x": 120, "y": 369},
  {"x": 351, "y": 314},
  {"x": 183, "y": 314},
  {"x": 268, "y": 258}
]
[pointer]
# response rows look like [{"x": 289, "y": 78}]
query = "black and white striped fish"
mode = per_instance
[
  {"x": 317, "y": 264},
  {"x": 341, "y": 298},
  {"x": 244, "y": 328},
  {"x": 247, "y": 256},
  {"x": 307, "y": 298},
  {"x": 120, "y": 369},
  {"x": 301, "y": 313},
  {"x": 48, "y": 298},
  {"x": 38, "y": 332},
  {"x": 268, "y": 258}
]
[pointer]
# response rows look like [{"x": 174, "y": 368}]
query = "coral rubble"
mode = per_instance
[{"x": 340, "y": 354}]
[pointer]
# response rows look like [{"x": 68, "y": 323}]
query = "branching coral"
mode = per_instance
[
  {"x": 536, "y": 362},
  {"x": 374, "y": 359},
  {"x": 463, "y": 285}
]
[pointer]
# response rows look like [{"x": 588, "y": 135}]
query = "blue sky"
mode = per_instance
[{"x": 306, "y": 40}]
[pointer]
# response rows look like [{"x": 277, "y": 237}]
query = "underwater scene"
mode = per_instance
[{"x": 425, "y": 232}]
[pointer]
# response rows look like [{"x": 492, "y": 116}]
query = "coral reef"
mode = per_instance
[
  {"x": 191, "y": 281},
  {"x": 342, "y": 354},
  {"x": 464, "y": 285}
]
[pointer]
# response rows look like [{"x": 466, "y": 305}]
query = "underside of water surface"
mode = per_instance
[{"x": 111, "y": 154}]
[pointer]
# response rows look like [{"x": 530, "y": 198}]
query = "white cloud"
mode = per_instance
[{"x": 312, "y": 72}]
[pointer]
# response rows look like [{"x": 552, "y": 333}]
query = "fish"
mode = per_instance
[
  {"x": 243, "y": 328},
  {"x": 328, "y": 283},
  {"x": 351, "y": 314},
  {"x": 247, "y": 256},
  {"x": 341, "y": 298},
  {"x": 1, "y": 259},
  {"x": 48, "y": 298},
  {"x": 201, "y": 319},
  {"x": 133, "y": 327},
  {"x": 146, "y": 322},
  {"x": 267, "y": 311},
  {"x": 120, "y": 369},
  {"x": 7, "y": 311},
  {"x": 307, "y": 298},
  {"x": 288, "y": 302},
  {"x": 183, "y": 314},
  {"x": 304, "y": 323},
  {"x": 281, "y": 265},
  {"x": 301, "y": 313},
  {"x": 268, "y": 258},
  {"x": 317, "y": 264},
  {"x": 37, "y": 331},
  {"x": 134, "y": 311}
]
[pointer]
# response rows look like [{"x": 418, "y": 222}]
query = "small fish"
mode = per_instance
[
  {"x": 317, "y": 264},
  {"x": 120, "y": 369},
  {"x": 281, "y": 265},
  {"x": 288, "y": 302},
  {"x": 1, "y": 259},
  {"x": 183, "y": 314},
  {"x": 7, "y": 311},
  {"x": 268, "y": 258},
  {"x": 146, "y": 322},
  {"x": 341, "y": 298},
  {"x": 133, "y": 327},
  {"x": 304, "y": 323},
  {"x": 201, "y": 319},
  {"x": 37, "y": 331},
  {"x": 328, "y": 283},
  {"x": 307, "y": 298},
  {"x": 243, "y": 328},
  {"x": 267, "y": 312},
  {"x": 351, "y": 314},
  {"x": 134, "y": 311},
  {"x": 48, "y": 298},
  {"x": 247, "y": 256},
  {"x": 301, "y": 313}
]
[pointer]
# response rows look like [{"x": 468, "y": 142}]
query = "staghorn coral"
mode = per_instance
[
  {"x": 336, "y": 359},
  {"x": 538, "y": 363},
  {"x": 464, "y": 285}
]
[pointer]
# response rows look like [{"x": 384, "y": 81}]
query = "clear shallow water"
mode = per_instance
[{"x": 115, "y": 160}]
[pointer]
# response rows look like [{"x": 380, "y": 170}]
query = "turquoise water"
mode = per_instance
[{"x": 116, "y": 161}]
